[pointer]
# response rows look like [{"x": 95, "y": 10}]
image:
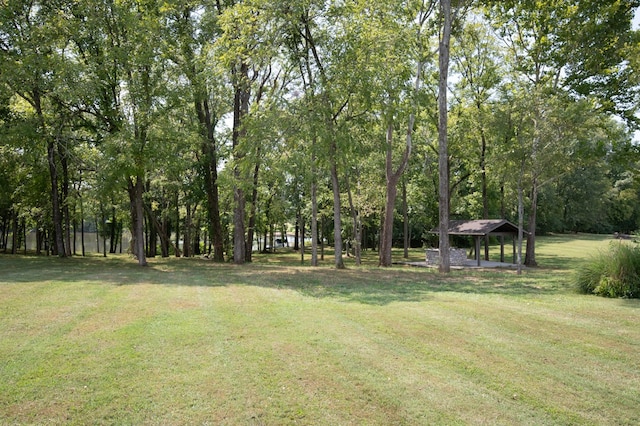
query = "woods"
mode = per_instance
[{"x": 212, "y": 127}]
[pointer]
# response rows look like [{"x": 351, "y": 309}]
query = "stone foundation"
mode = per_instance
[{"x": 457, "y": 256}]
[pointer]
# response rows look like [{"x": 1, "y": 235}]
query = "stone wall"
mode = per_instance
[{"x": 457, "y": 256}]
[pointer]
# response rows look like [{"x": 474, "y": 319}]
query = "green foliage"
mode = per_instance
[
  {"x": 146, "y": 87},
  {"x": 615, "y": 273}
]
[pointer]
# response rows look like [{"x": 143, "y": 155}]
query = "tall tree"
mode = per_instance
[
  {"x": 443, "y": 150},
  {"x": 248, "y": 43},
  {"x": 195, "y": 28},
  {"x": 542, "y": 53},
  {"x": 324, "y": 94},
  {"x": 392, "y": 93},
  {"x": 476, "y": 61},
  {"x": 32, "y": 36},
  {"x": 119, "y": 47}
]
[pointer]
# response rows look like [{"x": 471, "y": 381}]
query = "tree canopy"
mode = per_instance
[{"x": 217, "y": 127}]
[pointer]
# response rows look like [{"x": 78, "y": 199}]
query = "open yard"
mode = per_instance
[{"x": 188, "y": 341}]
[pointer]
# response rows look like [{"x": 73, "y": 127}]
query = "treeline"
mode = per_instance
[{"x": 206, "y": 126}]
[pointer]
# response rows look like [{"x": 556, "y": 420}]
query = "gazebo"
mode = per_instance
[{"x": 484, "y": 228}]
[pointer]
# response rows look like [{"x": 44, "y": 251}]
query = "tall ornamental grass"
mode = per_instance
[{"x": 614, "y": 273}]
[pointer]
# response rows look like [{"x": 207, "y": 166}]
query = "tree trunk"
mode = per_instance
[
  {"x": 186, "y": 242},
  {"x": 296, "y": 237},
  {"x": 393, "y": 178},
  {"x": 239, "y": 246},
  {"x": 485, "y": 191},
  {"x": 268, "y": 228},
  {"x": 75, "y": 235},
  {"x": 322, "y": 237},
  {"x": 314, "y": 225},
  {"x": 386, "y": 243},
  {"x": 314, "y": 208},
  {"x": 39, "y": 241},
  {"x": 82, "y": 227},
  {"x": 163, "y": 231},
  {"x": 265, "y": 241},
  {"x": 196, "y": 240},
  {"x": 357, "y": 234},
  {"x": 520, "y": 216},
  {"x": 55, "y": 200},
  {"x": 14, "y": 234},
  {"x": 302, "y": 241},
  {"x": 104, "y": 246},
  {"x": 151, "y": 234},
  {"x": 4, "y": 233},
  {"x": 119, "y": 236},
  {"x": 530, "y": 256},
  {"x": 177, "y": 205},
  {"x": 97, "y": 235},
  {"x": 210, "y": 171},
  {"x": 405, "y": 220},
  {"x": 136, "y": 192},
  {"x": 240, "y": 111},
  {"x": 443, "y": 150},
  {"x": 64, "y": 162},
  {"x": 386, "y": 230},
  {"x": 252, "y": 212},
  {"x": 24, "y": 234},
  {"x": 213, "y": 204},
  {"x": 53, "y": 174},
  {"x": 113, "y": 240},
  {"x": 337, "y": 222}
]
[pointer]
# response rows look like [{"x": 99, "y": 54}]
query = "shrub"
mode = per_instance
[{"x": 615, "y": 273}]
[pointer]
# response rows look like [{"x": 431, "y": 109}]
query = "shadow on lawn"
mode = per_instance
[{"x": 374, "y": 286}]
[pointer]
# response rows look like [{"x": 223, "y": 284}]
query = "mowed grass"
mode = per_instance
[{"x": 189, "y": 341}]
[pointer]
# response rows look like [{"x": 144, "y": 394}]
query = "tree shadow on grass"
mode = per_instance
[{"x": 373, "y": 286}]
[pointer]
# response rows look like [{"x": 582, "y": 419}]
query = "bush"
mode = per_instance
[{"x": 615, "y": 273}]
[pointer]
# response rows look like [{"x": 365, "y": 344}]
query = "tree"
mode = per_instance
[
  {"x": 476, "y": 62},
  {"x": 118, "y": 46},
  {"x": 326, "y": 94},
  {"x": 443, "y": 152},
  {"x": 247, "y": 48},
  {"x": 542, "y": 53},
  {"x": 31, "y": 39},
  {"x": 389, "y": 111},
  {"x": 194, "y": 26}
]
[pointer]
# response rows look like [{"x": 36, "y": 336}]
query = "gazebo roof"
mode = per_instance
[{"x": 481, "y": 227}]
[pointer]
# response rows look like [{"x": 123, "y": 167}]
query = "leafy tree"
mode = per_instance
[
  {"x": 476, "y": 62},
  {"x": 31, "y": 41},
  {"x": 194, "y": 28},
  {"x": 392, "y": 90},
  {"x": 316, "y": 44},
  {"x": 118, "y": 46},
  {"x": 448, "y": 15},
  {"x": 540, "y": 53}
]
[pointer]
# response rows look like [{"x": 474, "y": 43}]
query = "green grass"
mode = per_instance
[{"x": 189, "y": 341}]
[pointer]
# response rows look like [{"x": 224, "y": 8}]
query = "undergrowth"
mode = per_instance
[{"x": 614, "y": 273}]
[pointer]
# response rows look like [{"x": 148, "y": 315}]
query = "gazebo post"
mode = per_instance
[
  {"x": 478, "y": 249},
  {"x": 514, "y": 251},
  {"x": 502, "y": 248}
]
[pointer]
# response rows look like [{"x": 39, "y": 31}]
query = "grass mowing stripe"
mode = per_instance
[{"x": 193, "y": 342}]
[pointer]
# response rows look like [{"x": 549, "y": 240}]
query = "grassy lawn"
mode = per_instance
[{"x": 189, "y": 341}]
